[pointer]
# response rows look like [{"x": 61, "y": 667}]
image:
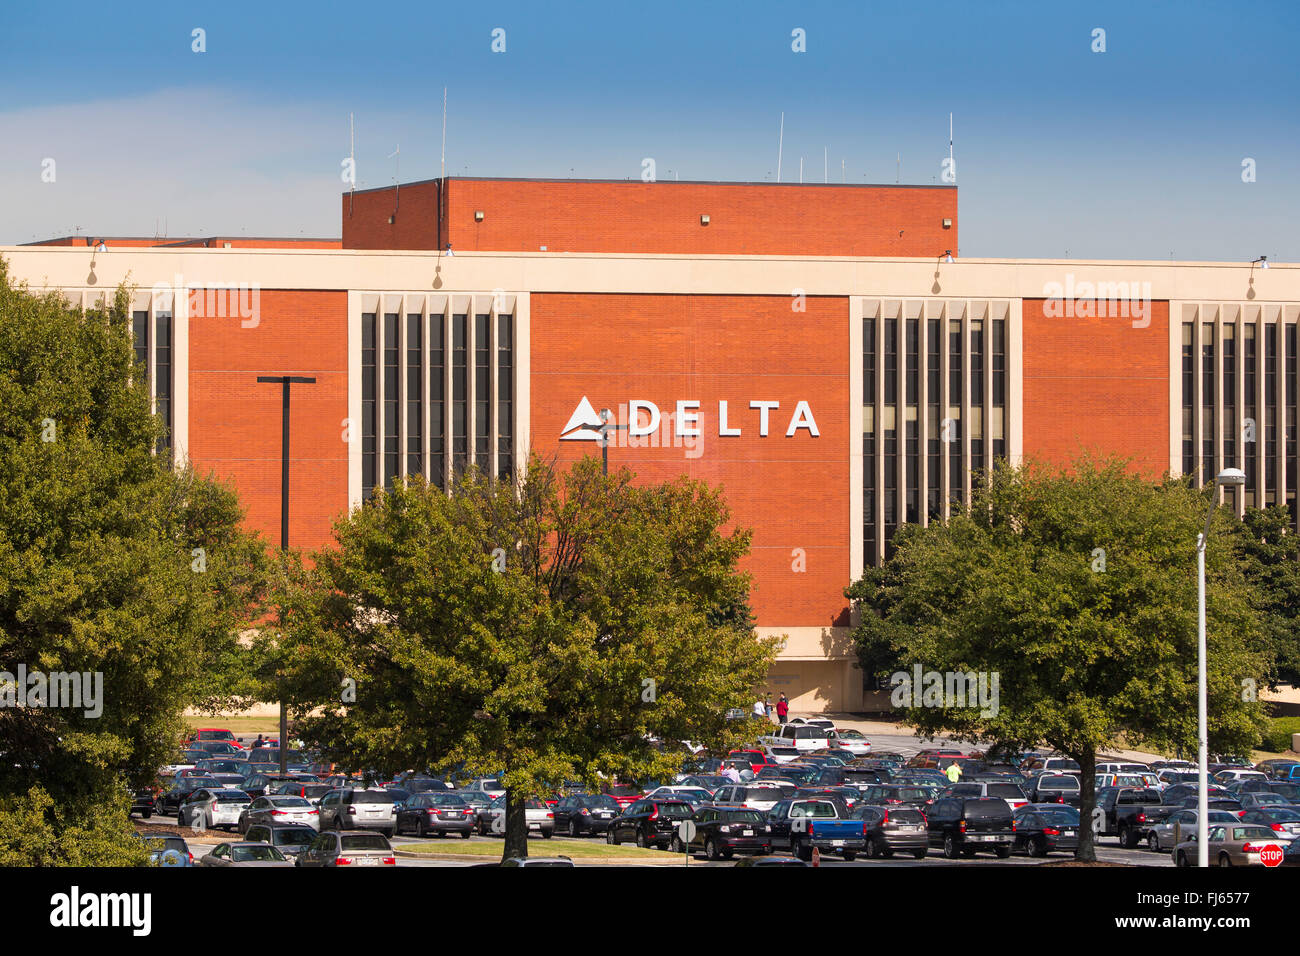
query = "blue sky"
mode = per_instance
[{"x": 1131, "y": 153}]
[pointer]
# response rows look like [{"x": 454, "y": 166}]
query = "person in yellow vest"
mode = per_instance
[{"x": 953, "y": 772}]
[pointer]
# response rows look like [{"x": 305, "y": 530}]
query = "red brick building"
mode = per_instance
[{"x": 822, "y": 352}]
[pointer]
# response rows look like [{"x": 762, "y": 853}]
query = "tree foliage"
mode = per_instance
[
  {"x": 1079, "y": 590},
  {"x": 551, "y": 631},
  {"x": 99, "y": 571}
]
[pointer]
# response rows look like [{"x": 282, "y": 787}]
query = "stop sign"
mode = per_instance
[{"x": 1271, "y": 855}]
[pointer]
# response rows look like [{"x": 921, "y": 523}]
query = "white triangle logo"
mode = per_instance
[{"x": 584, "y": 419}]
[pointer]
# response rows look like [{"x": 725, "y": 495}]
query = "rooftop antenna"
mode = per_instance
[
  {"x": 825, "y": 168},
  {"x": 780, "y": 144},
  {"x": 842, "y": 173},
  {"x": 352, "y": 162},
  {"x": 397, "y": 175},
  {"x": 800, "y": 170},
  {"x": 952, "y": 170},
  {"x": 442, "y": 170},
  {"x": 898, "y": 172}
]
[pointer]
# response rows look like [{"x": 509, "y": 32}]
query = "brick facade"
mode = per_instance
[
  {"x": 794, "y": 492},
  {"x": 234, "y": 421}
]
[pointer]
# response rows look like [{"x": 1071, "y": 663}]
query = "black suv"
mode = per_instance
[
  {"x": 964, "y": 826},
  {"x": 649, "y": 822},
  {"x": 585, "y": 813}
]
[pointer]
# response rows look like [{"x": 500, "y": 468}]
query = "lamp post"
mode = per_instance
[
  {"x": 285, "y": 381},
  {"x": 1227, "y": 477},
  {"x": 604, "y": 429}
]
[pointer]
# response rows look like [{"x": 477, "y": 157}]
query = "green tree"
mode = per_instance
[
  {"x": 111, "y": 564},
  {"x": 576, "y": 628},
  {"x": 1078, "y": 589},
  {"x": 1270, "y": 552}
]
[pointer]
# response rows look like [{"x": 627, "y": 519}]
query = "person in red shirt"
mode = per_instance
[{"x": 782, "y": 709}]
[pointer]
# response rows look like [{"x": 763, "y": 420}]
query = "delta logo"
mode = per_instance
[{"x": 638, "y": 418}]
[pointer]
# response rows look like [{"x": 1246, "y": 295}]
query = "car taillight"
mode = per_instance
[
  {"x": 550, "y": 815},
  {"x": 390, "y": 860},
  {"x": 885, "y": 819},
  {"x": 341, "y": 861},
  {"x": 963, "y": 826},
  {"x": 585, "y": 812},
  {"x": 1141, "y": 818},
  {"x": 352, "y": 809},
  {"x": 312, "y": 812},
  {"x": 654, "y": 814},
  {"x": 1276, "y": 827},
  {"x": 1253, "y": 848},
  {"x": 811, "y": 826},
  {"x": 1013, "y": 826},
  {"x": 1048, "y": 830},
  {"x": 279, "y": 813}
]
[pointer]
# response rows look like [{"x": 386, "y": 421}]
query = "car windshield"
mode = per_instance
[
  {"x": 232, "y": 796},
  {"x": 1060, "y": 818},
  {"x": 1252, "y": 833},
  {"x": 443, "y": 800},
  {"x": 601, "y": 802},
  {"x": 675, "y": 811},
  {"x": 289, "y": 802},
  {"x": 364, "y": 841},
  {"x": 256, "y": 853},
  {"x": 294, "y": 836},
  {"x": 740, "y": 816},
  {"x": 372, "y": 796},
  {"x": 1058, "y": 783},
  {"x": 1280, "y": 815}
]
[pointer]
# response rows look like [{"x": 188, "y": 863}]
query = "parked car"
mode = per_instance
[
  {"x": 963, "y": 826},
  {"x": 1051, "y": 764},
  {"x": 1237, "y": 844},
  {"x": 1040, "y": 832},
  {"x": 142, "y": 800},
  {"x": 1169, "y": 777},
  {"x": 212, "y": 808},
  {"x": 311, "y": 792},
  {"x": 167, "y": 850},
  {"x": 280, "y": 808},
  {"x": 1279, "y": 768},
  {"x": 205, "y": 734},
  {"x": 587, "y": 813},
  {"x": 1267, "y": 798},
  {"x": 1236, "y": 774},
  {"x": 852, "y": 741},
  {"x": 710, "y": 782},
  {"x": 540, "y": 817},
  {"x": 891, "y": 829},
  {"x": 1130, "y": 812},
  {"x": 802, "y": 737},
  {"x": 491, "y": 786},
  {"x": 899, "y": 794},
  {"x": 1175, "y": 827},
  {"x": 246, "y": 855},
  {"x": 799, "y": 825},
  {"x": 289, "y": 838},
  {"x": 1054, "y": 788},
  {"x": 561, "y": 861},
  {"x": 169, "y": 801},
  {"x": 695, "y": 796},
  {"x": 436, "y": 812},
  {"x": 649, "y": 822},
  {"x": 1010, "y": 792},
  {"x": 1281, "y": 820},
  {"x": 722, "y": 832},
  {"x": 777, "y": 753},
  {"x": 348, "y": 848},
  {"x": 757, "y": 795},
  {"x": 346, "y": 809},
  {"x": 260, "y": 783},
  {"x": 1174, "y": 796}
]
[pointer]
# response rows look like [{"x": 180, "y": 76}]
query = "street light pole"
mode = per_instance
[
  {"x": 284, "y": 381},
  {"x": 604, "y": 429},
  {"x": 1234, "y": 477}
]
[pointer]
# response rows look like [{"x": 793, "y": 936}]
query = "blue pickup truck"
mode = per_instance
[{"x": 799, "y": 825}]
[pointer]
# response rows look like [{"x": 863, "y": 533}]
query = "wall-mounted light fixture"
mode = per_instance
[
  {"x": 1262, "y": 262},
  {"x": 947, "y": 224},
  {"x": 947, "y": 255},
  {"x": 704, "y": 220},
  {"x": 391, "y": 219},
  {"x": 478, "y": 215}
]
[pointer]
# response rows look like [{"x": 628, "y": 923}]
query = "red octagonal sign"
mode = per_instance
[{"x": 1271, "y": 855}]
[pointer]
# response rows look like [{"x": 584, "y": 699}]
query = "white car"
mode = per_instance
[
  {"x": 1232, "y": 776},
  {"x": 209, "y": 808},
  {"x": 488, "y": 785},
  {"x": 780, "y": 754},
  {"x": 692, "y": 795},
  {"x": 854, "y": 741},
  {"x": 824, "y": 722},
  {"x": 756, "y": 795},
  {"x": 800, "y": 736},
  {"x": 540, "y": 817}
]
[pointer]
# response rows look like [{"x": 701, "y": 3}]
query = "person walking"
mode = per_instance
[
  {"x": 782, "y": 709},
  {"x": 758, "y": 708},
  {"x": 953, "y": 772}
]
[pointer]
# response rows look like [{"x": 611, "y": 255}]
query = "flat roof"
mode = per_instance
[{"x": 639, "y": 182}]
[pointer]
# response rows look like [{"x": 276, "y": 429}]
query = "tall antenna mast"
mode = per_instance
[
  {"x": 352, "y": 162},
  {"x": 800, "y": 170},
  {"x": 780, "y": 144},
  {"x": 825, "y": 168},
  {"x": 442, "y": 169},
  {"x": 951, "y": 170},
  {"x": 898, "y": 173},
  {"x": 842, "y": 173},
  {"x": 397, "y": 176}
]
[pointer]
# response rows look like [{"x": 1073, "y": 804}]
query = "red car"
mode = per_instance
[
  {"x": 213, "y": 733},
  {"x": 757, "y": 759},
  {"x": 625, "y": 794}
]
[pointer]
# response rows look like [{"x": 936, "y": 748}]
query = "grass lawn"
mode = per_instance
[
  {"x": 537, "y": 847},
  {"x": 238, "y": 725}
]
